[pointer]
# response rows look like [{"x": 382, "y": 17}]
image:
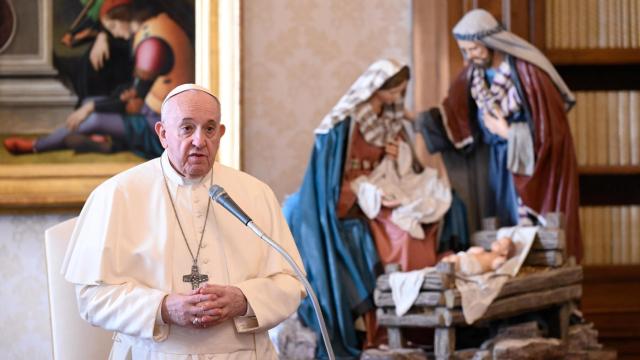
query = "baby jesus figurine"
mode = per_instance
[{"x": 477, "y": 260}]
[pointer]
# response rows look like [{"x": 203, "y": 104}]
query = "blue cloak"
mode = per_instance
[{"x": 339, "y": 255}]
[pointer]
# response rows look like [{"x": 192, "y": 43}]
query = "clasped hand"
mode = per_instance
[
  {"x": 391, "y": 148},
  {"x": 206, "y": 306}
]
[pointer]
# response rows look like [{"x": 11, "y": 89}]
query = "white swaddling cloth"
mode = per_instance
[
  {"x": 405, "y": 287},
  {"x": 423, "y": 197}
]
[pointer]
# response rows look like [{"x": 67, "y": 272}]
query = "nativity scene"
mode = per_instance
[{"x": 321, "y": 179}]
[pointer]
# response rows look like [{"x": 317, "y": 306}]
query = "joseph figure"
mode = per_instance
[{"x": 503, "y": 128}]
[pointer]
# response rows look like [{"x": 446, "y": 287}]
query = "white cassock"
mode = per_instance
[{"x": 127, "y": 240}]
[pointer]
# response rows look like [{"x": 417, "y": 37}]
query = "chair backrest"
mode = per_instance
[{"x": 73, "y": 338}]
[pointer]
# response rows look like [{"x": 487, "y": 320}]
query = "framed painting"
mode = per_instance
[{"x": 33, "y": 106}]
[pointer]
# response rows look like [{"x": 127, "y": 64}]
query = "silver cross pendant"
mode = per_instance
[{"x": 195, "y": 278}]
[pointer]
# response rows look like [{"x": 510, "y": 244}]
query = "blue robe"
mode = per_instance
[
  {"x": 339, "y": 255},
  {"x": 505, "y": 204}
]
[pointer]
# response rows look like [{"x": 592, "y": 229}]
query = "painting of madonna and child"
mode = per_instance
[{"x": 117, "y": 59}]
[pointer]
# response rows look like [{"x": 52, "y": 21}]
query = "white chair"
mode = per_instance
[{"x": 73, "y": 338}]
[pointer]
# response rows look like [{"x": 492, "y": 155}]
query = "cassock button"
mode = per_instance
[
  {"x": 204, "y": 245},
  {"x": 205, "y": 261}
]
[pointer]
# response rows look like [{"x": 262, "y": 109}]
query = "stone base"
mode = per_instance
[
  {"x": 293, "y": 340},
  {"x": 529, "y": 349},
  {"x": 393, "y": 354},
  {"x": 473, "y": 354},
  {"x": 33, "y": 106}
]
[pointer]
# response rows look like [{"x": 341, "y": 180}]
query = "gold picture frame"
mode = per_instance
[{"x": 27, "y": 187}]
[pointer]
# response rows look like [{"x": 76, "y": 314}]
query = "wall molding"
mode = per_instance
[
  {"x": 218, "y": 68},
  {"x": 34, "y": 64}
]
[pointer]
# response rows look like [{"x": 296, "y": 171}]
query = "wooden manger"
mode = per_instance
[{"x": 555, "y": 286}]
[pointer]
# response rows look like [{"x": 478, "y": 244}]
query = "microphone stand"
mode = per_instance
[
  {"x": 314, "y": 300},
  {"x": 217, "y": 194}
]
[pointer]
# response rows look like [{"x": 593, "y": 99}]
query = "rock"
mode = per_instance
[
  {"x": 583, "y": 337},
  {"x": 393, "y": 354},
  {"x": 529, "y": 349},
  {"x": 473, "y": 354},
  {"x": 293, "y": 341}
]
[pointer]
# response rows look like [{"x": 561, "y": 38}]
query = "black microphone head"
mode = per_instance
[
  {"x": 217, "y": 194},
  {"x": 215, "y": 191}
]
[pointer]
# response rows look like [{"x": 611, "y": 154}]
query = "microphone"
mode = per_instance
[{"x": 217, "y": 194}]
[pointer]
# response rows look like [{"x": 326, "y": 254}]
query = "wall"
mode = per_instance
[
  {"x": 298, "y": 58},
  {"x": 26, "y": 330}
]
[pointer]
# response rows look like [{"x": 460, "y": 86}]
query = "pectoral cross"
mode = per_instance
[{"x": 195, "y": 278}]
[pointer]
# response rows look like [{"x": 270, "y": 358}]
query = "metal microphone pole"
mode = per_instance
[
  {"x": 305, "y": 282},
  {"x": 220, "y": 196}
]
